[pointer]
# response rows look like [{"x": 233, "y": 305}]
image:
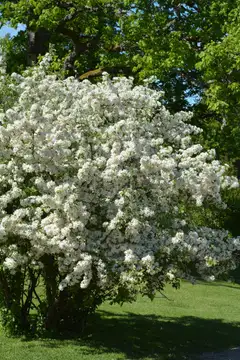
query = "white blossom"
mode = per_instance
[{"x": 98, "y": 176}]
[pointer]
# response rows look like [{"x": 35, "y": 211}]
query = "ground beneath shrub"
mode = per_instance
[{"x": 194, "y": 323}]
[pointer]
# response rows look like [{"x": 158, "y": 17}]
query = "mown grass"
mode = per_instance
[{"x": 195, "y": 319}]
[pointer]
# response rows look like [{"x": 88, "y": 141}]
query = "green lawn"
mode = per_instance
[{"x": 196, "y": 318}]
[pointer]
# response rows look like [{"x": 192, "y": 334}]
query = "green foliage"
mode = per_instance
[
  {"x": 15, "y": 52},
  {"x": 221, "y": 71},
  {"x": 144, "y": 38},
  {"x": 220, "y": 107}
]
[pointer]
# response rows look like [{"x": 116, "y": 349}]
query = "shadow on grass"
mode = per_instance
[
  {"x": 216, "y": 284},
  {"x": 140, "y": 337}
]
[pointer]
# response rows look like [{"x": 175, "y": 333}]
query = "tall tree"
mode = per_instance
[
  {"x": 220, "y": 67},
  {"x": 141, "y": 38}
]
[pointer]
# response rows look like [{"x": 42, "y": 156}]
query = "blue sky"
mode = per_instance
[{"x": 7, "y": 30}]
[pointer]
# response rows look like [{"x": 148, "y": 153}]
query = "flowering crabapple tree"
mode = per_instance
[{"x": 96, "y": 185}]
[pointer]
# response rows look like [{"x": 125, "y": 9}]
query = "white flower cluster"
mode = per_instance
[{"x": 96, "y": 176}]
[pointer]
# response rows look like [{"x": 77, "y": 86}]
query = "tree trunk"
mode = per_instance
[
  {"x": 38, "y": 44},
  {"x": 64, "y": 316}
]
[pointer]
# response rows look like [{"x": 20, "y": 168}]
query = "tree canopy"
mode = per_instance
[{"x": 141, "y": 38}]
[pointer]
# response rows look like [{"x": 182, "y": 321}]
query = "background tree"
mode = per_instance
[
  {"x": 141, "y": 38},
  {"x": 220, "y": 67}
]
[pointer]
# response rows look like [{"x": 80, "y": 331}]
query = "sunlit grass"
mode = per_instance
[{"x": 192, "y": 320}]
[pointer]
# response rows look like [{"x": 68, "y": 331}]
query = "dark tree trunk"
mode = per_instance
[
  {"x": 65, "y": 315},
  {"x": 38, "y": 44}
]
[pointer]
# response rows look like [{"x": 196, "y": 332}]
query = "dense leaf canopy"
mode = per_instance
[{"x": 144, "y": 38}]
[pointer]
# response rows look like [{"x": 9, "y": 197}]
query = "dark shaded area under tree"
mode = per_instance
[{"x": 156, "y": 337}]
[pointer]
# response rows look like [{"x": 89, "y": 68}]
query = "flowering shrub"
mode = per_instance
[{"x": 96, "y": 183}]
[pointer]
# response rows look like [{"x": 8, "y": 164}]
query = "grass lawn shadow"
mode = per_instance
[{"x": 154, "y": 337}]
